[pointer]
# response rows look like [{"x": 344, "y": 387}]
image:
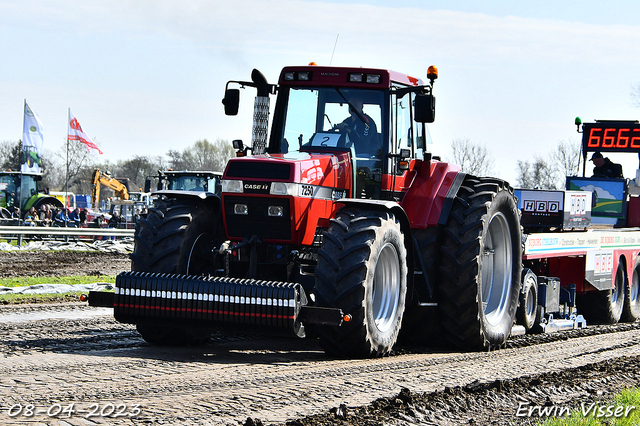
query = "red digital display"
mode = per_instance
[{"x": 614, "y": 136}]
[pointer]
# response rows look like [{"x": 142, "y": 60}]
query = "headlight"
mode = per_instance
[
  {"x": 231, "y": 185},
  {"x": 240, "y": 209},
  {"x": 283, "y": 188},
  {"x": 277, "y": 211}
]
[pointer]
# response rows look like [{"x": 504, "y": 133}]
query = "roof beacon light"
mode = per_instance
[
  {"x": 432, "y": 73},
  {"x": 578, "y": 122}
]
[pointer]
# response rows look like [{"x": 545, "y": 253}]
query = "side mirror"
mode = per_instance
[
  {"x": 425, "y": 108},
  {"x": 231, "y": 101},
  {"x": 147, "y": 185}
]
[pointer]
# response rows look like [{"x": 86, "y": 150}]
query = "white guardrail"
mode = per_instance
[{"x": 31, "y": 232}]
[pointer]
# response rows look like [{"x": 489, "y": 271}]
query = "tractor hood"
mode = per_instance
[
  {"x": 283, "y": 197},
  {"x": 327, "y": 170}
]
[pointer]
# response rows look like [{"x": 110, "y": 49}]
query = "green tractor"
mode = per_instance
[{"x": 23, "y": 190}]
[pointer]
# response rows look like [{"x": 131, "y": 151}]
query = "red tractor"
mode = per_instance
[{"x": 340, "y": 221}]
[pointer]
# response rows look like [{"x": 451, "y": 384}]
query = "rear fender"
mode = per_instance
[
  {"x": 41, "y": 199},
  {"x": 429, "y": 199}
]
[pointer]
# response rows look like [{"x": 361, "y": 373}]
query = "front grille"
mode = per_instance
[
  {"x": 257, "y": 221},
  {"x": 259, "y": 170}
]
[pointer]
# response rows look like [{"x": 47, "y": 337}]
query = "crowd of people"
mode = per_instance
[{"x": 48, "y": 215}]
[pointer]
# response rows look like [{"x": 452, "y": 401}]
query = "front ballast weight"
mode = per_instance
[{"x": 220, "y": 303}]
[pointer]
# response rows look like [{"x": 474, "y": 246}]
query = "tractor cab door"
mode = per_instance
[{"x": 406, "y": 134}]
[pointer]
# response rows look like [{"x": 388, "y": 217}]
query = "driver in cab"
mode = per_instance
[{"x": 359, "y": 126}]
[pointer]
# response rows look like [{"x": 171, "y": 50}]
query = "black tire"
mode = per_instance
[
  {"x": 481, "y": 265},
  {"x": 421, "y": 325},
  {"x": 176, "y": 237},
  {"x": 631, "y": 309},
  {"x": 362, "y": 270},
  {"x": 527, "y": 313},
  {"x": 605, "y": 306}
]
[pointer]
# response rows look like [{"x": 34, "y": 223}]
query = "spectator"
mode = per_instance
[
  {"x": 99, "y": 221},
  {"x": 45, "y": 215},
  {"x": 30, "y": 217},
  {"x": 61, "y": 218},
  {"x": 115, "y": 220},
  {"x": 74, "y": 218},
  {"x": 83, "y": 216},
  {"x": 605, "y": 167}
]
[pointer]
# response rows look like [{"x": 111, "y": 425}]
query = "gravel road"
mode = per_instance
[{"x": 71, "y": 364}]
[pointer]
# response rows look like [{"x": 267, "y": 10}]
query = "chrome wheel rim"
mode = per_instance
[
  {"x": 386, "y": 288},
  {"x": 497, "y": 269}
]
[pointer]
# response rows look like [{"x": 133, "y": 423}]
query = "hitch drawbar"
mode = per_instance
[{"x": 220, "y": 303}]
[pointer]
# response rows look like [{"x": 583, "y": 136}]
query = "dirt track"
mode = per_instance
[{"x": 97, "y": 361}]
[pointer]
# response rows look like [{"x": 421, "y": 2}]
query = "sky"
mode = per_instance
[{"x": 144, "y": 77}]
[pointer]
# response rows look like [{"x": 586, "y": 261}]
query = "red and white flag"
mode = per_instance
[{"x": 76, "y": 134}]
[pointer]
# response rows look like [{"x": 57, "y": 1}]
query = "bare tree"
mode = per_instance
[
  {"x": 76, "y": 161},
  {"x": 538, "y": 174},
  {"x": 202, "y": 155},
  {"x": 567, "y": 159},
  {"x": 473, "y": 158}
]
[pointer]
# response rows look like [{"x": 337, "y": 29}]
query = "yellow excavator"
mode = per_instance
[{"x": 104, "y": 178}]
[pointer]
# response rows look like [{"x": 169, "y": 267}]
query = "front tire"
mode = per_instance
[
  {"x": 362, "y": 270},
  {"x": 176, "y": 237},
  {"x": 481, "y": 266}
]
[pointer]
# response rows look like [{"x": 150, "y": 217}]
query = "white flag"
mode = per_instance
[
  {"x": 76, "y": 134},
  {"x": 31, "y": 141}
]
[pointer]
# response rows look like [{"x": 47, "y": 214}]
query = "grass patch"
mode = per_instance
[
  {"x": 13, "y": 299},
  {"x": 85, "y": 279},
  {"x": 17, "y": 299},
  {"x": 604, "y": 412}
]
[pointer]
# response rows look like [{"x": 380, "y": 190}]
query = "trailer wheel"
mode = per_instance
[
  {"x": 631, "y": 309},
  {"x": 175, "y": 238},
  {"x": 362, "y": 270},
  {"x": 527, "y": 312},
  {"x": 481, "y": 265}
]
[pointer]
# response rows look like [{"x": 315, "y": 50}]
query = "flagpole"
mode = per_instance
[{"x": 66, "y": 181}]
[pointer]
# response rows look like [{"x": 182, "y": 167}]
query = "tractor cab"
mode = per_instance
[
  {"x": 22, "y": 190},
  {"x": 377, "y": 116}
]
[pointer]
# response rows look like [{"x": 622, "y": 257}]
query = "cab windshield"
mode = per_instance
[{"x": 326, "y": 117}]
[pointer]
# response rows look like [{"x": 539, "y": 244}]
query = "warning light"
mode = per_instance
[
  {"x": 432, "y": 73},
  {"x": 84, "y": 297},
  {"x": 312, "y": 64},
  {"x": 347, "y": 318}
]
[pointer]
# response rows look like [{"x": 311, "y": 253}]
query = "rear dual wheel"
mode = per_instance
[{"x": 481, "y": 265}]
